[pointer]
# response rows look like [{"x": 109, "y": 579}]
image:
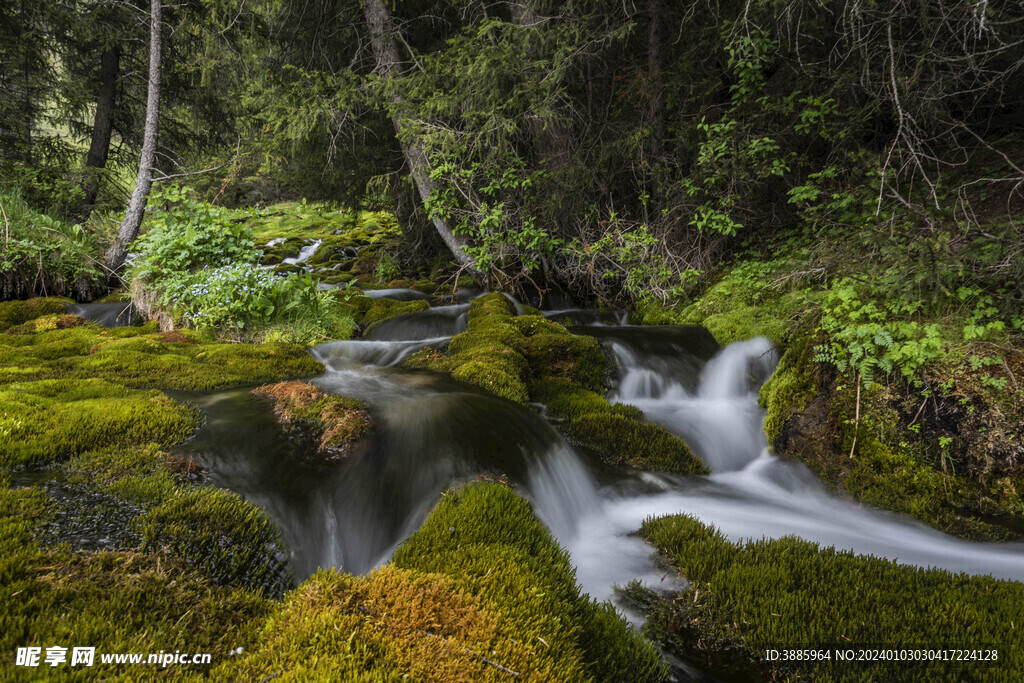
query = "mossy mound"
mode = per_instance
[
  {"x": 789, "y": 593},
  {"x": 390, "y": 624},
  {"x": 142, "y": 357},
  {"x": 618, "y": 433},
  {"x": 17, "y": 312},
  {"x": 481, "y": 592},
  {"x": 116, "y": 602},
  {"x": 53, "y": 420},
  {"x": 228, "y": 540},
  {"x": 750, "y": 300},
  {"x": 337, "y": 423},
  {"x": 488, "y": 539},
  {"x": 383, "y": 309},
  {"x": 45, "y": 323}
]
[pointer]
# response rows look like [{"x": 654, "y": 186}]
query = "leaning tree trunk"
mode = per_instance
[
  {"x": 389, "y": 64},
  {"x": 103, "y": 125},
  {"x": 140, "y": 195}
]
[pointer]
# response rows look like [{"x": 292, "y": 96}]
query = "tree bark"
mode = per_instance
[
  {"x": 389, "y": 64},
  {"x": 140, "y": 195},
  {"x": 103, "y": 124}
]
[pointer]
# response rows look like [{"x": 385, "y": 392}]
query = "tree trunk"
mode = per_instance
[
  {"x": 140, "y": 195},
  {"x": 656, "y": 108},
  {"x": 389, "y": 64},
  {"x": 103, "y": 124}
]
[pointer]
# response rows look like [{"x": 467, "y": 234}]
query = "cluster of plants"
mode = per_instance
[
  {"x": 45, "y": 256},
  {"x": 199, "y": 262}
]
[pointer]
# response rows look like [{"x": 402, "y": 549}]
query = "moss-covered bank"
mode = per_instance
[
  {"x": 527, "y": 358},
  {"x": 145, "y": 357},
  {"x": 933, "y": 431},
  {"x": 114, "y": 601},
  {"x": 789, "y": 593}
]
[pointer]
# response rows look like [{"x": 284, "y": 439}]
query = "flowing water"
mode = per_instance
[
  {"x": 107, "y": 315},
  {"x": 305, "y": 253},
  {"x": 431, "y": 431}
]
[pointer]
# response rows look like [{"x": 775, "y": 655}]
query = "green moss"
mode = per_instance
[
  {"x": 576, "y": 358},
  {"x": 17, "y": 312},
  {"x": 383, "y": 309},
  {"x": 748, "y": 301},
  {"x": 57, "y": 321},
  {"x": 618, "y": 433},
  {"x": 137, "y": 475},
  {"x": 488, "y": 539},
  {"x": 139, "y": 357},
  {"x": 790, "y": 389},
  {"x": 493, "y": 379},
  {"x": 336, "y": 423},
  {"x": 52, "y": 420},
  {"x": 789, "y": 593},
  {"x": 116, "y": 602},
  {"x": 226, "y": 539}
]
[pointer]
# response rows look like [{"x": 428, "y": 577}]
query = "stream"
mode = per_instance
[{"x": 431, "y": 431}]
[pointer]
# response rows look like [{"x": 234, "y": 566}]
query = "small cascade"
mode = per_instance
[
  {"x": 439, "y": 321},
  {"x": 397, "y": 294},
  {"x": 562, "y": 490},
  {"x": 106, "y": 315},
  {"x": 340, "y": 355},
  {"x": 740, "y": 368},
  {"x": 305, "y": 253}
]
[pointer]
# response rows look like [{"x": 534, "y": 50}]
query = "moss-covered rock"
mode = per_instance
[
  {"x": 567, "y": 356},
  {"x": 618, "y": 433},
  {"x": 788, "y": 592},
  {"x": 17, "y": 312},
  {"x": 862, "y": 444},
  {"x": 141, "y": 357},
  {"x": 487, "y": 538},
  {"x": 337, "y": 423},
  {"x": 383, "y": 309},
  {"x": 53, "y": 420}
]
